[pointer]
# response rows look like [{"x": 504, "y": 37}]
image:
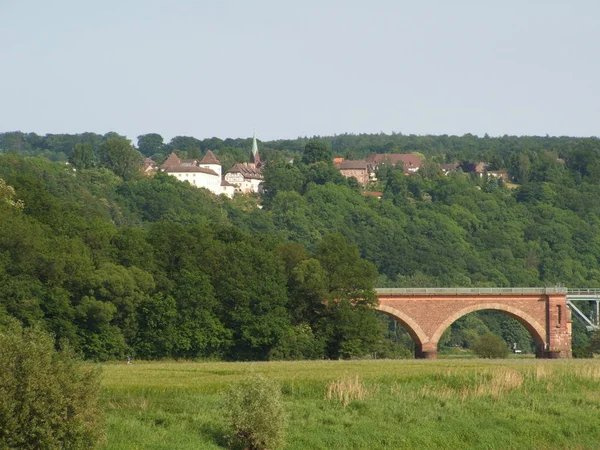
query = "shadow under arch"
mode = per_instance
[
  {"x": 537, "y": 331},
  {"x": 414, "y": 330}
]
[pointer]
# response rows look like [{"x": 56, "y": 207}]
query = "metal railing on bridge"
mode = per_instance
[
  {"x": 472, "y": 291},
  {"x": 585, "y": 295}
]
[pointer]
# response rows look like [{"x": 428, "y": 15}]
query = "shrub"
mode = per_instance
[
  {"x": 490, "y": 346},
  {"x": 48, "y": 399},
  {"x": 255, "y": 412},
  {"x": 583, "y": 352},
  {"x": 298, "y": 343}
]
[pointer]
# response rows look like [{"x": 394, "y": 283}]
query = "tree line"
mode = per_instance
[{"x": 119, "y": 264}]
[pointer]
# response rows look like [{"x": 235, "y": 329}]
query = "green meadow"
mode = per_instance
[{"x": 443, "y": 404}]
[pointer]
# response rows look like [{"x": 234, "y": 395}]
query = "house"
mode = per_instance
[
  {"x": 447, "y": 168},
  {"x": 149, "y": 167},
  {"x": 411, "y": 163},
  {"x": 473, "y": 167},
  {"x": 502, "y": 174},
  {"x": 247, "y": 177},
  {"x": 205, "y": 173},
  {"x": 355, "y": 168},
  {"x": 480, "y": 168}
]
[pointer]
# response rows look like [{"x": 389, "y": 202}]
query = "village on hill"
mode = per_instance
[{"x": 247, "y": 177}]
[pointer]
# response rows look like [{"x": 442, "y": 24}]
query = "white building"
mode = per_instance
[{"x": 203, "y": 174}]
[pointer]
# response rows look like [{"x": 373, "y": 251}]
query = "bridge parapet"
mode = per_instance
[{"x": 474, "y": 291}]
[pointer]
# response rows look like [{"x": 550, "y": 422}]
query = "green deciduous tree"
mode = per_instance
[
  {"x": 82, "y": 156},
  {"x": 49, "y": 399},
  {"x": 316, "y": 151},
  {"x": 151, "y": 144},
  {"x": 121, "y": 157},
  {"x": 490, "y": 346}
]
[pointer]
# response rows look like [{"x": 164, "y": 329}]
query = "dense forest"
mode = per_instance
[{"x": 118, "y": 264}]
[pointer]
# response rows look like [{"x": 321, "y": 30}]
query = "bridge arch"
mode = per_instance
[
  {"x": 536, "y": 330},
  {"x": 416, "y": 332}
]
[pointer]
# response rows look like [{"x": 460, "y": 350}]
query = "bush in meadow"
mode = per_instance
[
  {"x": 490, "y": 346},
  {"x": 48, "y": 399},
  {"x": 255, "y": 412}
]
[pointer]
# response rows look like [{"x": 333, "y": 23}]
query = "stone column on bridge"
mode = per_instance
[
  {"x": 427, "y": 351},
  {"x": 559, "y": 328}
]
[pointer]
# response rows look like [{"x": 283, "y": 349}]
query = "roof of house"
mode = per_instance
[
  {"x": 226, "y": 183},
  {"x": 210, "y": 158},
  {"x": 171, "y": 161},
  {"x": 480, "y": 167},
  {"x": 353, "y": 165},
  {"x": 149, "y": 163},
  {"x": 247, "y": 171},
  {"x": 407, "y": 159},
  {"x": 190, "y": 169},
  {"x": 449, "y": 167},
  {"x": 372, "y": 193}
]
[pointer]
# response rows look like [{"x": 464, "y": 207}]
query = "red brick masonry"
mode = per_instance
[{"x": 427, "y": 316}]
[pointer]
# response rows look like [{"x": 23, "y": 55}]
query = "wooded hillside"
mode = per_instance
[{"x": 119, "y": 264}]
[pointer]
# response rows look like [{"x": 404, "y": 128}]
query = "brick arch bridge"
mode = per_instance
[{"x": 427, "y": 312}]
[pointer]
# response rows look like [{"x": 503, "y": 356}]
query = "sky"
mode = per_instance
[{"x": 224, "y": 68}]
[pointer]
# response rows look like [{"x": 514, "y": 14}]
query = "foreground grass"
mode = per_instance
[{"x": 458, "y": 404}]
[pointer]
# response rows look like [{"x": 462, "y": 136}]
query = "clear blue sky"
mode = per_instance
[{"x": 223, "y": 68}]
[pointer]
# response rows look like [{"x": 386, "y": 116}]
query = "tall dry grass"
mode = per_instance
[{"x": 347, "y": 389}]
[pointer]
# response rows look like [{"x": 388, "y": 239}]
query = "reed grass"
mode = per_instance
[{"x": 347, "y": 389}]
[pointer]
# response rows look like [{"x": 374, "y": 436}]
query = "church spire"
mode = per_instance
[{"x": 255, "y": 156}]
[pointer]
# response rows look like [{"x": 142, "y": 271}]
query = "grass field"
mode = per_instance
[{"x": 443, "y": 404}]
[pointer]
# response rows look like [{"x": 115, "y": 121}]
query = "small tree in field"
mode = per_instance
[
  {"x": 47, "y": 399},
  {"x": 255, "y": 412},
  {"x": 490, "y": 346}
]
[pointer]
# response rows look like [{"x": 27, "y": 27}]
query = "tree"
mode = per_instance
[
  {"x": 188, "y": 144},
  {"x": 316, "y": 151},
  {"x": 280, "y": 176},
  {"x": 49, "y": 399},
  {"x": 82, "y": 156},
  {"x": 151, "y": 144},
  {"x": 121, "y": 157},
  {"x": 349, "y": 277},
  {"x": 349, "y": 324},
  {"x": 490, "y": 346},
  {"x": 7, "y": 195}
]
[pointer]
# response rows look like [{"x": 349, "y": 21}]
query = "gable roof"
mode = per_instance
[
  {"x": 407, "y": 159},
  {"x": 449, "y": 167},
  {"x": 247, "y": 171},
  {"x": 353, "y": 165},
  {"x": 209, "y": 158},
  {"x": 149, "y": 164}
]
